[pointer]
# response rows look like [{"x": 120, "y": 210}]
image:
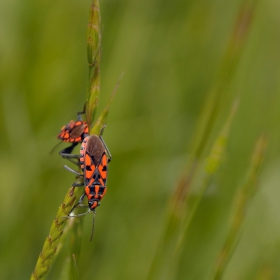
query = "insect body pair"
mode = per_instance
[{"x": 93, "y": 160}]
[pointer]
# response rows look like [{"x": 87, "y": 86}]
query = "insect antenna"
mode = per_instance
[
  {"x": 92, "y": 225},
  {"x": 54, "y": 148}
]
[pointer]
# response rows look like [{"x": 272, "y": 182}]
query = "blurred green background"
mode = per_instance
[{"x": 171, "y": 54}]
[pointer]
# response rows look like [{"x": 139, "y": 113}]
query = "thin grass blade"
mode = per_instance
[
  {"x": 211, "y": 166},
  {"x": 242, "y": 200},
  {"x": 102, "y": 119},
  {"x": 219, "y": 91},
  {"x": 75, "y": 246},
  {"x": 178, "y": 222}
]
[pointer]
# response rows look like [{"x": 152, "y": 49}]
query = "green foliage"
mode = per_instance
[
  {"x": 184, "y": 200},
  {"x": 52, "y": 241}
]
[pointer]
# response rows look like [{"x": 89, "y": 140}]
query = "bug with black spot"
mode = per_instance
[
  {"x": 73, "y": 132},
  {"x": 94, "y": 158}
]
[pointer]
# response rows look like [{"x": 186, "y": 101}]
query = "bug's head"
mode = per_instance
[{"x": 92, "y": 204}]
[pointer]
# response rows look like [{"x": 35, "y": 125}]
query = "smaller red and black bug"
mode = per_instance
[
  {"x": 74, "y": 132},
  {"x": 94, "y": 159}
]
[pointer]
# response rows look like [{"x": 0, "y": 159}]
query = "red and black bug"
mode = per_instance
[
  {"x": 94, "y": 159},
  {"x": 74, "y": 132}
]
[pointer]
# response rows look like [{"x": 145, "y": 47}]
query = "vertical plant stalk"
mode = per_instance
[
  {"x": 216, "y": 96},
  {"x": 75, "y": 268},
  {"x": 94, "y": 56},
  {"x": 172, "y": 242},
  {"x": 52, "y": 241},
  {"x": 179, "y": 209},
  {"x": 75, "y": 242},
  {"x": 229, "y": 63},
  {"x": 211, "y": 166},
  {"x": 212, "y": 106},
  {"x": 244, "y": 195}
]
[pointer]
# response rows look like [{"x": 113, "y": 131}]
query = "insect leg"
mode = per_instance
[
  {"x": 69, "y": 149},
  {"x": 103, "y": 142},
  {"x": 76, "y": 205},
  {"x": 75, "y": 184},
  {"x": 81, "y": 113},
  {"x": 92, "y": 230},
  {"x": 79, "y": 215},
  {"x": 73, "y": 171},
  {"x": 79, "y": 204},
  {"x": 66, "y": 153},
  {"x": 106, "y": 148}
]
